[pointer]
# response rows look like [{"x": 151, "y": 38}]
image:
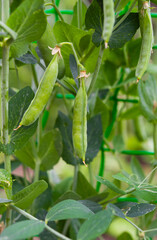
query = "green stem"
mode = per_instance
[
  {"x": 64, "y": 86},
  {"x": 37, "y": 170},
  {"x": 79, "y": 13},
  {"x": 56, "y": 9},
  {"x": 117, "y": 4},
  {"x": 97, "y": 67},
  {"x": 125, "y": 16},
  {"x": 155, "y": 141},
  {"x": 139, "y": 229},
  {"x": 5, "y": 10},
  {"x": 75, "y": 54},
  {"x": 29, "y": 216},
  {"x": 76, "y": 168},
  {"x": 8, "y": 30}
]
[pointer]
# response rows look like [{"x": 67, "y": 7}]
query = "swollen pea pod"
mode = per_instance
[
  {"x": 147, "y": 38},
  {"x": 79, "y": 130},
  {"x": 109, "y": 19},
  {"x": 43, "y": 93}
]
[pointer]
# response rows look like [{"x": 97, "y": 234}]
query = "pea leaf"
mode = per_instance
[
  {"x": 95, "y": 225},
  {"x": 94, "y": 137},
  {"x": 140, "y": 209},
  {"x": 137, "y": 168},
  {"x": 17, "y": 106},
  {"x": 125, "y": 31},
  {"x": 110, "y": 185},
  {"x": 65, "y": 126},
  {"x": 147, "y": 91},
  {"x": 93, "y": 206},
  {"x": 22, "y": 230},
  {"x": 68, "y": 209},
  {"x": 24, "y": 198},
  {"x": 5, "y": 179},
  {"x": 26, "y": 154},
  {"x": 29, "y": 21},
  {"x": 116, "y": 210},
  {"x": 50, "y": 149},
  {"x": 94, "y": 20},
  {"x": 27, "y": 58},
  {"x": 84, "y": 188}
]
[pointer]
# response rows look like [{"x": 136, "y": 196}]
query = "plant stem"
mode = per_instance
[
  {"x": 125, "y": 16},
  {"x": 139, "y": 229},
  {"x": 79, "y": 13},
  {"x": 95, "y": 74},
  {"x": 65, "y": 87},
  {"x": 37, "y": 170},
  {"x": 29, "y": 216},
  {"x": 57, "y": 10},
  {"x": 8, "y": 30},
  {"x": 155, "y": 151},
  {"x": 117, "y": 4}
]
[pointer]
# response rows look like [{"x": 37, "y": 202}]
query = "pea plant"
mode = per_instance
[{"x": 92, "y": 102}]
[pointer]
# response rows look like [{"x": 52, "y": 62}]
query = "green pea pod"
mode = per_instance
[
  {"x": 43, "y": 93},
  {"x": 109, "y": 19},
  {"x": 79, "y": 130},
  {"x": 147, "y": 38}
]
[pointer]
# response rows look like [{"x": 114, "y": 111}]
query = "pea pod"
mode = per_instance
[
  {"x": 147, "y": 38},
  {"x": 43, "y": 93},
  {"x": 79, "y": 130},
  {"x": 109, "y": 19}
]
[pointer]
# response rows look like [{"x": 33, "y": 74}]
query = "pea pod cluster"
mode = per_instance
[
  {"x": 109, "y": 19},
  {"x": 147, "y": 38},
  {"x": 79, "y": 130},
  {"x": 42, "y": 94}
]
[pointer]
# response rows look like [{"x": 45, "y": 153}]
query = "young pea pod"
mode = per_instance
[
  {"x": 109, "y": 19},
  {"x": 147, "y": 38},
  {"x": 79, "y": 130},
  {"x": 43, "y": 93}
]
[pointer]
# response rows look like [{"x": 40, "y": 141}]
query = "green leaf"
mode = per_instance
[
  {"x": 22, "y": 230},
  {"x": 74, "y": 68},
  {"x": 140, "y": 209},
  {"x": 93, "y": 206},
  {"x": 68, "y": 209},
  {"x": 65, "y": 126},
  {"x": 17, "y": 106},
  {"x": 126, "y": 178},
  {"x": 27, "y": 58},
  {"x": 95, "y": 225},
  {"x": 50, "y": 149},
  {"x": 148, "y": 194},
  {"x": 94, "y": 137},
  {"x": 125, "y": 31},
  {"x": 29, "y": 21},
  {"x": 132, "y": 52},
  {"x": 109, "y": 184},
  {"x": 116, "y": 210},
  {"x": 147, "y": 91},
  {"x": 68, "y": 33},
  {"x": 5, "y": 179},
  {"x": 137, "y": 169},
  {"x": 94, "y": 20},
  {"x": 84, "y": 189},
  {"x": 25, "y": 197},
  {"x": 26, "y": 154},
  {"x": 68, "y": 195},
  {"x": 47, "y": 39}
]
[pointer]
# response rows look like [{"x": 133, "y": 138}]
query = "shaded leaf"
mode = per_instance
[
  {"x": 95, "y": 225},
  {"x": 29, "y": 21},
  {"x": 50, "y": 149},
  {"x": 110, "y": 185},
  {"x": 73, "y": 68},
  {"x": 125, "y": 31},
  {"x": 137, "y": 168},
  {"x": 93, "y": 206},
  {"x": 25, "y": 197},
  {"x": 116, "y": 211},
  {"x": 140, "y": 209},
  {"x": 27, "y": 58},
  {"x": 68, "y": 209},
  {"x": 22, "y": 230}
]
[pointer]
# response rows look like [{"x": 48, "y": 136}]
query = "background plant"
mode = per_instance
[{"x": 121, "y": 120}]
